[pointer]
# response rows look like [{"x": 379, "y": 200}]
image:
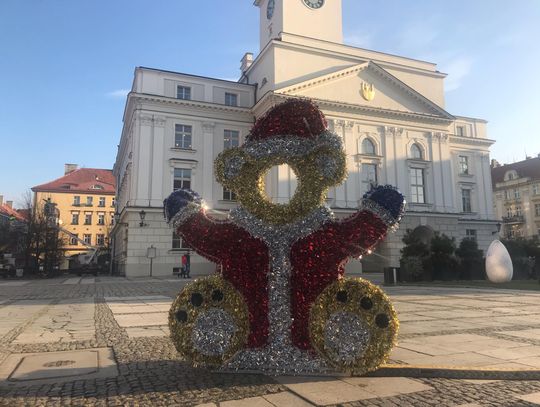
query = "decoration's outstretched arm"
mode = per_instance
[
  {"x": 185, "y": 211},
  {"x": 381, "y": 210}
]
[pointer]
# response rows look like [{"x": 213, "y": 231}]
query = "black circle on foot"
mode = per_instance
[
  {"x": 181, "y": 315},
  {"x": 366, "y": 303},
  {"x": 341, "y": 296},
  {"x": 217, "y": 295},
  {"x": 382, "y": 321},
  {"x": 197, "y": 299}
]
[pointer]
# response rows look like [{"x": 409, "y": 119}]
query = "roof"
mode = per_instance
[
  {"x": 529, "y": 168},
  {"x": 83, "y": 180},
  {"x": 10, "y": 212}
]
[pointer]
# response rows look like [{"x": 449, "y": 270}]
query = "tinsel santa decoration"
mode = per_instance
[{"x": 279, "y": 301}]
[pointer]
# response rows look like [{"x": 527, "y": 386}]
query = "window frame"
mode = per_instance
[
  {"x": 466, "y": 200},
  {"x": 102, "y": 201},
  {"x": 184, "y": 88},
  {"x": 460, "y": 130},
  {"x": 73, "y": 240},
  {"x": 537, "y": 209},
  {"x": 87, "y": 218},
  {"x": 416, "y": 147},
  {"x": 89, "y": 241},
  {"x": 229, "y": 95},
  {"x": 228, "y": 138},
  {"x": 76, "y": 200},
  {"x": 180, "y": 136},
  {"x": 365, "y": 142},
  {"x": 229, "y": 195},
  {"x": 463, "y": 164},
  {"x": 101, "y": 218},
  {"x": 415, "y": 187},
  {"x": 98, "y": 239},
  {"x": 469, "y": 235},
  {"x": 178, "y": 243},
  {"x": 73, "y": 216},
  {"x": 182, "y": 179}
]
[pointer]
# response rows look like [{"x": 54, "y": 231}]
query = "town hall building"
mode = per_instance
[{"x": 389, "y": 111}]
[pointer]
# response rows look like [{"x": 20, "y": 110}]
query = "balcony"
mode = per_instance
[{"x": 514, "y": 219}]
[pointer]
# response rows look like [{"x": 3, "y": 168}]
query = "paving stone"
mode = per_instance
[
  {"x": 531, "y": 398},
  {"x": 286, "y": 399},
  {"x": 247, "y": 402},
  {"x": 388, "y": 386}
]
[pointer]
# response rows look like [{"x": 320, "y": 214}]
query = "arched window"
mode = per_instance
[
  {"x": 416, "y": 152},
  {"x": 368, "y": 147}
]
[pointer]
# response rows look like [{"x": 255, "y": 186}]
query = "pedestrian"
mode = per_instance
[
  {"x": 183, "y": 274},
  {"x": 188, "y": 265}
]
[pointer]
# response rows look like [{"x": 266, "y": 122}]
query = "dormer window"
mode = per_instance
[
  {"x": 183, "y": 92},
  {"x": 96, "y": 186},
  {"x": 510, "y": 175},
  {"x": 231, "y": 99},
  {"x": 416, "y": 152},
  {"x": 368, "y": 148}
]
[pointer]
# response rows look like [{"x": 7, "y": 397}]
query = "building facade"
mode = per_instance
[
  {"x": 85, "y": 200},
  {"x": 516, "y": 190},
  {"x": 389, "y": 111}
]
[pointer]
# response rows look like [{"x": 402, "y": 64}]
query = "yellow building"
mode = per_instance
[{"x": 84, "y": 198}]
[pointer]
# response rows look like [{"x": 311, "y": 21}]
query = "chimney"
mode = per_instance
[
  {"x": 9, "y": 204},
  {"x": 246, "y": 61},
  {"x": 70, "y": 168},
  {"x": 1, "y": 200}
]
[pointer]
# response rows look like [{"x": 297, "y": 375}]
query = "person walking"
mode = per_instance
[
  {"x": 188, "y": 264},
  {"x": 184, "y": 271}
]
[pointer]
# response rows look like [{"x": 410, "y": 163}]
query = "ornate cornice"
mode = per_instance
[{"x": 472, "y": 141}]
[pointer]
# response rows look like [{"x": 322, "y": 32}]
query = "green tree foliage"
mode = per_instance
[{"x": 471, "y": 260}]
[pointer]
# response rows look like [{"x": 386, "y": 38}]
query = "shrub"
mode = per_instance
[
  {"x": 412, "y": 268},
  {"x": 471, "y": 261}
]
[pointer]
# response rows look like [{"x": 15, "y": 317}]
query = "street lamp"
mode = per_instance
[{"x": 142, "y": 215}]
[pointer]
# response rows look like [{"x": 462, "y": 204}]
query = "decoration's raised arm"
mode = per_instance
[
  {"x": 185, "y": 211},
  {"x": 381, "y": 210}
]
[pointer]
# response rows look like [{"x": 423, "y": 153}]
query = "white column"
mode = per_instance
[{"x": 207, "y": 165}]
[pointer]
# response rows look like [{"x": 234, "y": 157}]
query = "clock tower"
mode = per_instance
[{"x": 318, "y": 19}]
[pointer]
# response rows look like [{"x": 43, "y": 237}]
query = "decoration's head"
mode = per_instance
[{"x": 294, "y": 133}]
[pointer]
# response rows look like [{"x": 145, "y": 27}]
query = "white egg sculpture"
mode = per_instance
[{"x": 499, "y": 267}]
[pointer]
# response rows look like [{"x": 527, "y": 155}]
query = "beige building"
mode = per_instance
[
  {"x": 388, "y": 109},
  {"x": 85, "y": 200},
  {"x": 516, "y": 192}
]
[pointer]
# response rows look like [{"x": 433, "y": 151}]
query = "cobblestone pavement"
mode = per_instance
[{"x": 440, "y": 327}]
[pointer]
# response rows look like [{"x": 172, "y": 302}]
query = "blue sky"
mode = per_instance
[{"x": 65, "y": 66}]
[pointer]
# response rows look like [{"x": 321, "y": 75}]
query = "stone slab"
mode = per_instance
[
  {"x": 324, "y": 391},
  {"x": 13, "y": 283},
  {"x": 147, "y": 331},
  {"x": 388, "y": 386},
  {"x": 526, "y": 333},
  {"x": 52, "y": 367},
  {"x": 18, "y": 313},
  {"x": 248, "y": 402},
  {"x": 286, "y": 399},
  {"x": 72, "y": 281},
  {"x": 531, "y": 398}
]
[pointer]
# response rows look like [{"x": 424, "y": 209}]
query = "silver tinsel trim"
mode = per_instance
[
  {"x": 233, "y": 166},
  {"x": 212, "y": 332},
  {"x": 280, "y": 356},
  {"x": 346, "y": 336},
  {"x": 386, "y": 216},
  {"x": 184, "y": 214},
  {"x": 289, "y": 146}
]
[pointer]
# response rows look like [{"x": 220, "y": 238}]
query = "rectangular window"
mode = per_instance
[
  {"x": 74, "y": 218},
  {"x": 466, "y": 200},
  {"x": 463, "y": 165},
  {"x": 231, "y": 138},
  {"x": 518, "y": 210},
  {"x": 112, "y": 218},
  {"x": 417, "y": 185},
  {"x": 182, "y": 179},
  {"x": 113, "y": 201},
  {"x": 178, "y": 242},
  {"x": 536, "y": 189},
  {"x": 506, "y": 194},
  {"x": 100, "y": 240},
  {"x": 87, "y": 238},
  {"x": 182, "y": 136},
  {"x": 460, "y": 131},
  {"x": 369, "y": 176},
  {"x": 101, "y": 201},
  {"x": 231, "y": 99},
  {"x": 517, "y": 194},
  {"x": 87, "y": 218},
  {"x": 89, "y": 200},
  {"x": 509, "y": 212},
  {"x": 101, "y": 218},
  {"x": 76, "y": 200},
  {"x": 73, "y": 239},
  {"x": 183, "y": 92},
  {"x": 537, "y": 209},
  {"x": 228, "y": 195},
  {"x": 470, "y": 234}
]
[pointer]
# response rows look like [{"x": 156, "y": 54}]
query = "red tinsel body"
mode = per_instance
[{"x": 318, "y": 260}]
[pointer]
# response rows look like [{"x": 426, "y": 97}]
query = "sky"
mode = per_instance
[{"x": 67, "y": 65}]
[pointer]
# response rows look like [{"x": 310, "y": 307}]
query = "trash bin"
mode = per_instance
[{"x": 391, "y": 275}]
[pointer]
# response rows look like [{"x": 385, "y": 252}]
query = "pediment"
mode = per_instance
[{"x": 345, "y": 86}]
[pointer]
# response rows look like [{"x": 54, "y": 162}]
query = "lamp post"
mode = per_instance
[
  {"x": 151, "y": 253},
  {"x": 142, "y": 215}
]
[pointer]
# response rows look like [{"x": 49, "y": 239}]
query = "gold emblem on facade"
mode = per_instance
[{"x": 368, "y": 91}]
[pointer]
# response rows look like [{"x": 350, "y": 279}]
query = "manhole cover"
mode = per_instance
[
  {"x": 58, "y": 366},
  {"x": 59, "y": 363}
]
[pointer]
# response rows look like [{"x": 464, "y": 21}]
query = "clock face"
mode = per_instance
[
  {"x": 314, "y": 3},
  {"x": 270, "y": 9}
]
